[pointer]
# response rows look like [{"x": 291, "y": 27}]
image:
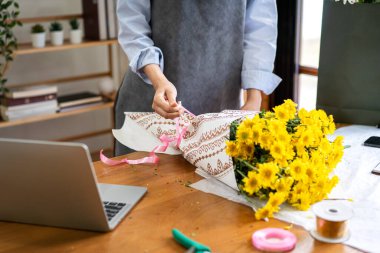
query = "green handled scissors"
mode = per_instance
[{"x": 192, "y": 246}]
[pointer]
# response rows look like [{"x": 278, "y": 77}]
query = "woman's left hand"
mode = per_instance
[{"x": 253, "y": 102}]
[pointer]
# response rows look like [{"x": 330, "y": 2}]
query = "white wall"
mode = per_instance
[{"x": 44, "y": 66}]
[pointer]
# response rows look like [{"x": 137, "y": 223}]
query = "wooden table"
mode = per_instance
[{"x": 221, "y": 224}]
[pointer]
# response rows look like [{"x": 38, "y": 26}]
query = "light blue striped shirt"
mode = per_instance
[{"x": 260, "y": 39}]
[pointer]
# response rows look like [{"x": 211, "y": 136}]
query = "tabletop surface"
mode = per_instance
[{"x": 223, "y": 225}]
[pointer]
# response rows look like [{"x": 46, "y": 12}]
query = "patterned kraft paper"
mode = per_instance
[{"x": 203, "y": 145}]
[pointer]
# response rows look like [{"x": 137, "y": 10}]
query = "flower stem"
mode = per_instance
[
  {"x": 247, "y": 164},
  {"x": 241, "y": 173}
]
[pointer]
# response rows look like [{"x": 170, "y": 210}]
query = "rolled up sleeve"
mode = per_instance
[
  {"x": 135, "y": 36},
  {"x": 260, "y": 38}
]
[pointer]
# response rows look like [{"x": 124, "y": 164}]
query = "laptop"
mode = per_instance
[{"x": 54, "y": 184}]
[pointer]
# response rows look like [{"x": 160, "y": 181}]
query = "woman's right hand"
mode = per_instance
[{"x": 164, "y": 101}]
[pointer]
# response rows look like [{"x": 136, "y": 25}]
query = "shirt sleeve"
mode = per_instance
[
  {"x": 135, "y": 36},
  {"x": 260, "y": 38}
]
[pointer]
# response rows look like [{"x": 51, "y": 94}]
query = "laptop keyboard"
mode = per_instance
[{"x": 113, "y": 208}]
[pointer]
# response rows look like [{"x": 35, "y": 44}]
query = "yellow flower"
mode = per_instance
[
  {"x": 335, "y": 156},
  {"x": 276, "y": 199},
  {"x": 277, "y": 150},
  {"x": 323, "y": 117},
  {"x": 265, "y": 212},
  {"x": 286, "y": 111},
  {"x": 310, "y": 172},
  {"x": 256, "y": 133},
  {"x": 243, "y": 134},
  {"x": 303, "y": 114},
  {"x": 283, "y": 136},
  {"x": 306, "y": 139},
  {"x": 331, "y": 127},
  {"x": 276, "y": 126},
  {"x": 251, "y": 183},
  {"x": 296, "y": 192},
  {"x": 265, "y": 140},
  {"x": 231, "y": 148},
  {"x": 267, "y": 173},
  {"x": 297, "y": 169},
  {"x": 284, "y": 184},
  {"x": 325, "y": 146},
  {"x": 248, "y": 122},
  {"x": 304, "y": 201},
  {"x": 246, "y": 151}
]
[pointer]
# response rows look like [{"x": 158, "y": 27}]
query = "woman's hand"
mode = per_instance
[
  {"x": 253, "y": 102},
  {"x": 164, "y": 101}
]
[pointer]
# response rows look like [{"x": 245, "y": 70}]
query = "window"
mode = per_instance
[{"x": 310, "y": 37}]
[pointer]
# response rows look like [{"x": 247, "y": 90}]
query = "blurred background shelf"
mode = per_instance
[{"x": 94, "y": 65}]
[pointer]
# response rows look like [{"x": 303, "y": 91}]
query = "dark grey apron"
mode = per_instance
[{"x": 202, "y": 44}]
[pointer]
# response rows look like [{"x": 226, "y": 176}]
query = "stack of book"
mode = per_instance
[
  {"x": 100, "y": 20},
  {"x": 20, "y": 103},
  {"x": 78, "y": 100}
]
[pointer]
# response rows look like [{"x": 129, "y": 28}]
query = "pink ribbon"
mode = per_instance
[{"x": 153, "y": 158}]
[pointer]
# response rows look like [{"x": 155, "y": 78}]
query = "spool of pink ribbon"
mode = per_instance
[{"x": 274, "y": 240}]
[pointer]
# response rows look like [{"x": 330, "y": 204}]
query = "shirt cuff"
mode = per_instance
[
  {"x": 150, "y": 55},
  {"x": 260, "y": 80}
]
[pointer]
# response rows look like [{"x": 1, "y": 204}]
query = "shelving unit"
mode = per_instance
[{"x": 27, "y": 49}]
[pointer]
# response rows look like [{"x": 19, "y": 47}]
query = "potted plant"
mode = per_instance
[
  {"x": 9, "y": 11},
  {"x": 38, "y": 36},
  {"x": 75, "y": 33},
  {"x": 56, "y": 32}
]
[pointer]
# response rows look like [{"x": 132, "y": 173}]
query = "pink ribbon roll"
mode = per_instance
[{"x": 274, "y": 240}]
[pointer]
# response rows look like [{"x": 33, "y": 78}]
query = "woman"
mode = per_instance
[{"x": 211, "y": 49}]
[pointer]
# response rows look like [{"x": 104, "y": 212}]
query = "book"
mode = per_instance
[
  {"x": 33, "y": 91},
  {"x": 13, "y": 115},
  {"x": 76, "y": 107},
  {"x": 78, "y": 99},
  {"x": 111, "y": 13},
  {"x": 44, "y": 104},
  {"x": 94, "y": 19},
  {"x": 27, "y": 100}
]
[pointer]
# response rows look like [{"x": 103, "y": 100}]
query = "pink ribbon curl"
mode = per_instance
[{"x": 152, "y": 158}]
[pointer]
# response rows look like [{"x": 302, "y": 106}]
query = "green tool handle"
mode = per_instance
[{"x": 187, "y": 242}]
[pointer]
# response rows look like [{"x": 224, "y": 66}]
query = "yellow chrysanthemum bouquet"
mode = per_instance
[{"x": 285, "y": 156}]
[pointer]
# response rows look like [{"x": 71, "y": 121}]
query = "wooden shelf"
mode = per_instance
[
  {"x": 49, "y": 18},
  {"x": 34, "y": 119},
  {"x": 24, "y": 49},
  {"x": 86, "y": 135},
  {"x": 65, "y": 79}
]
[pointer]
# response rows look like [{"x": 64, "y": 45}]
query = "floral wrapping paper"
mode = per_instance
[{"x": 203, "y": 144}]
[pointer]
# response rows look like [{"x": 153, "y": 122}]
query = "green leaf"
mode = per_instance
[{"x": 7, "y": 4}]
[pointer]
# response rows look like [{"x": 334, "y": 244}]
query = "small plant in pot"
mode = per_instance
[
  {"x": 56, "y": 32},
  {"x": 38, "y": 36},
  {"x": 76, "y": 32}
]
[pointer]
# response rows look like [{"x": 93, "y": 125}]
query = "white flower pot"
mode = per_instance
[
  {"x": 38, "y": 40},
  {"x": 76, "y": 36},
  {"x": 57, "y": 38}
]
